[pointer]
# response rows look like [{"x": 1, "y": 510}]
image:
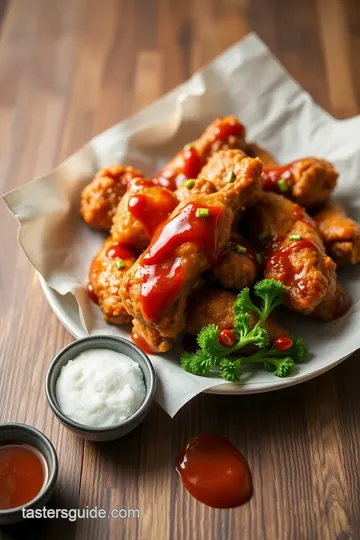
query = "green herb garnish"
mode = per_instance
[
  {"x": 202, "y": 212},
  {"x": 259, "y": 258},
  {"x": 283, "y": 185},
  {"x": 212, "y": 358},
  {"x": 264, "y": 235},
  {"x": 231, "y": 177},
  {"x": 189, "y": 184},
  {"x": 295, "y": 237},
  {"x": 119, "y": 263},
  {"x": 241, "y": 249}
]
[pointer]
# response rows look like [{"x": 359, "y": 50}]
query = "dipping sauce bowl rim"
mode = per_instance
[
  {"x": 149, "y": 391},
  {"x": 52, "y": 466}
]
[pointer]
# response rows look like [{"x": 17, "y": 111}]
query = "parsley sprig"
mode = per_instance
[{"x": 213, "y": 358}]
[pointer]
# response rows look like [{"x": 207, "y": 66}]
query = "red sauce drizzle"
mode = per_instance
[
  {"x": 22, "y": 474},
  {"x": 215, "y": 472},
  {"x": 119, "y": 251},
  {"x": 161, "y": 271},
  {"x": 271, "y": 176},
  {"x": 229, "y": 129},
  {"x": 185, "y": 165},
  {"x": 279, "y": 261},
  {"x": 151, "y": 211},
  {"x": 91, "y": 293},
  {"x": 141, "y": 342}
]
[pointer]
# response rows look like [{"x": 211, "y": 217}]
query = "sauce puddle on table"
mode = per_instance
[
  {"x": 23, "y": 474},
  {"x": 215, "y": 472}
]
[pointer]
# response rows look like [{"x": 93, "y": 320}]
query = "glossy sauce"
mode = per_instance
[
  {"x": 92, "y": 294},
  {"x": 152, "y": 207},
  {"x": 185, "y": 165},
  {"x": 119, "y": 251},
  {"x": 215, "y": 472},
  {"x": 141, "y": 342},
  {"x": 160, "y": 269},
  {"x": 272, "y": 175},
  {"x": 300, "y": 214},
  {"x": 229, "y": 129},
  {"x": 279, "y": 261},
  {"x": 23, "y": 474}
]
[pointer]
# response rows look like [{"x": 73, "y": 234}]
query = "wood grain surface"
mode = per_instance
[{"x": 68, "y": 70}]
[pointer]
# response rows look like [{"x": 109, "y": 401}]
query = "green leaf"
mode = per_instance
[
  {"x": 230, "y": 370},
  {"x": 208, "y": 340},
  {"x": 261, "y": 338},
  {"x": 198, "y": 363},
  {"x": 299, "y": 350}
]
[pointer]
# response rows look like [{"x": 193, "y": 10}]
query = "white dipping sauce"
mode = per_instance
[{"x": 100, "y": 388}]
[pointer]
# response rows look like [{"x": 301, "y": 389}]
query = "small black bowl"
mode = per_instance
[{"x": 102, "y": 342}]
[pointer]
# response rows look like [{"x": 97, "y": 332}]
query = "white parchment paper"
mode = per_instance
[{"x": 247, "y": 81}]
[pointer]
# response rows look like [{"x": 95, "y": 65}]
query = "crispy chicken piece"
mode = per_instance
[
  {"x": 340, "y": 233},
  {"x": 222, "y": 167},
  {"x": 295, "y": 253},
  {"x": 333, "y": 306},
  {"x": 309, "y": 181},
  {"x": 143, "y": 207},
  {"x": 193, "y": 188},
  {"x": 101, "y": 196},
  {"x": 156, "y": 288},
  {"x": 207, "y": 305},
  {"x": 107, "y": 271},
  {"x": 254, "y": 150},
  {"x": 237, "y": 265},
  {"x": 223, "y": 133}
]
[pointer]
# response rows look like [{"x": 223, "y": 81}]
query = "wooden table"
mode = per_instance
[{"x": 68, "y": 70}]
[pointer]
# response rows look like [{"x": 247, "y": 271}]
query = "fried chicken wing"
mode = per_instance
[
  {"x": 207, "y": 305},
  {"x": 308, "y": 182},
  {"x": 237, "y": 265},
  {"x": 334, "y": 305},
  {"x": 101, "y": 196},
  {"x": 225, "y": 132},
  {"x": 143, "y": 207},
  {"x": 107, "y": 271},
  {"x": 295, "y": 253},
  {"x": 156, "y": 288},
  {"x": 340, "y": 233},
  {"x": 192, "y": 188},
  {"x": 222, "y": 167}
]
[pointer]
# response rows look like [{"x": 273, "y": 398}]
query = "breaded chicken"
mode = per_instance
[
  {"x": 333, "y": 306},
  {"x": 143, "y": 207},
  {"x": 101, "y": 196},
  {"x": 237, "y": 265},
  {"x": 308, "y": 182},
  {"x": 222, "y": 168},
  {"x": 156, "y": 289},
  {"x": 340, "y": 233},
  {"x": 192, "y": 188},
  {"x": 295, "y": 253},
  {"x": 107, "y": 271},
  {"x": 223, "y": 133}
]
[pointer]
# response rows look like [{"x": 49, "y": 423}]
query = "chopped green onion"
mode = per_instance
[
  {"x": 231, "y": 177},
  {"x": 264, "y": 235},
  {"x": 241, "y": 249},
  {"x": 189, "y": 184},
  {"x": 189, "y": 146},
  {"x": 295, "y": 237},
  {"x": 202, "y": 212},
  {"x": 283, "y": 185},
  {"x": 259, "y": 258},
  {"x": 119, "y": 264}
]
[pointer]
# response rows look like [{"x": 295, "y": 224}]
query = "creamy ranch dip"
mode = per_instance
[{"x": 100, "y": 388}]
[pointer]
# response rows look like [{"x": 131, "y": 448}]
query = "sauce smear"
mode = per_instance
[
  {"x": 22, "y": 474},
  {"x": 185, "y": 165},
  {"x": 119, "y": 251},
  {"x": 215, "y": 472},
  {"x": 280, "y": 262},
  {"x": 141, "y": 342},
  {"x": 229, "y": 129},
  {"x": 272, "y": 175},
  {"x": 161, "y": 271}
]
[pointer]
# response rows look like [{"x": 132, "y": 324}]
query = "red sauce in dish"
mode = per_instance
[
  {"x": 272, "y": 175},
  {"x": 214, "y": 471},
  {"x": 160, "y": 269},
  {"x": 151, "y": 211},
  {"x": 185, "y": 165},
  {"x": 279, "y": 261},
  {"x": 22, "y": 474},
  {"x": 229, "y": 129},
  {"x": 91, "y": 293},
  {"x": 141, "y": 342},
  {"x": 119, "y": 251}
]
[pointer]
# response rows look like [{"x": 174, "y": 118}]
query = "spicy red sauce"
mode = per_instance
[
  {"x": 272, "y": 175},
  {"x": 300, "y": 214},
  {"x": 215, "y": 472},
  {"x": 141, "y": 342},
  {"x": 279, "y": 261},
  {"x": 185, "y": 165},
  {"x": 22, "y": 474},
  {"x": 119, "y": 251},
  {"x": 151, "y": 211},
  {"x": 92, "y": 294},
  {"x": 225, "y": 130},
  {"x": 160, "y": 269}
]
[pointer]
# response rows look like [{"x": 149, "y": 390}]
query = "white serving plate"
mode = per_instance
[{"x": 66, "y": 310}]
